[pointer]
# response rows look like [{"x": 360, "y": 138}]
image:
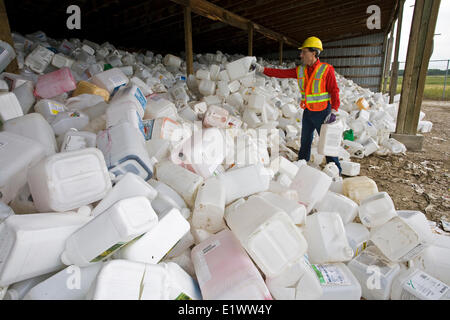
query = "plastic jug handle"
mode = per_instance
[{"x": 337, "y": 223}]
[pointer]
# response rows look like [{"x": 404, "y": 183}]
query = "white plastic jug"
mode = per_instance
[
  {"x": 338, "y": 282},
  {"x": 359, "y": 188},
  {"x": 156, "y": 243},
  {"x": 351, "y": 169},
  {"x": 5, "y": 211},
  {"x": 10, "y": 106},
  {"x": 330, "y": 138},
  {"x": 7, "y": 54},
  {"x": 376, "y": 210},
  {"x": 298, "y": 282},
  {"x": 110, "y": 80},
  {"x": 71, "y": 283},
  {"x": 358, "y": 237},
  {"x": 167, "y": 198},
  {"x": 334, "y": 202},
  {"x": 106, "y": 233},
  {"x": 69, "y": 180},
  {"x": 76, "y": 140},
  {"x": 49, "y": 108},
  {"x": 209, "y": 206},
  {"x": 19, "y": 289},
  {"x": 130, "y": 95},
  {"x": 239, "y": 68},
  {"x": 355, "y": 149},
  {"x": 25, "y": 95},
  {"x": 242, "y": 182},
  {"x": 124, "y": 151},
  {"x": 311, "y": 185},
  {"x": 158, "y": 107},
  {"x": 375, "y": 273},
  {"x": 331, "y": 170},
  {"x": 215, "y": 116},
  {"x": 435, "y": 260},
  {"x": 403, "y": 237},
  {"x": 31, "y": 245},
  {"x": 414, "y": 284},
  {"x": 327, "y": 242},
  {"x": 183, "y": 181},
  {"x": 39, "y": 59},
  {"x": 171, "y": 60},
  {"x": 64, "y": 121},
  {"x": 267, "y": 233},
  {"x": 130, "y": 185},
  {"x": 34, "y": 127},
  {"x": 225, "y": 271},
  {"x": 17, "y": 155},
  {"x": 295, "y": 210},
  {"x": 116, "y": 114}
]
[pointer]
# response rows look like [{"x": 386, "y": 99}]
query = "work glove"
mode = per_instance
[
  {"x": 257, "y": 67},
  {"x": 331, "y": 117}
]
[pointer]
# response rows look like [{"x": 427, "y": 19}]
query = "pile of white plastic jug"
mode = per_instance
[{"x": 124, "y": 179}]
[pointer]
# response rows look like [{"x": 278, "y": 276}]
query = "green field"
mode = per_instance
[{"x": 434, "y": 87}]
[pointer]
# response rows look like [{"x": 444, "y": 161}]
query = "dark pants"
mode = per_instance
[{"x": 313, "y": 120}]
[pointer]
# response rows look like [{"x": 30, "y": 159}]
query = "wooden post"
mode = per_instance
[
  {"x": 5, "y": 35},
  {"x": 387, "y": 64},
  {"x": 417, "y": 61},
  {"x": 188, "y": 41},
  {"x": 250, "y": 40},
  {"x": 395, "y": 64},
  {"x": 281, "y": 52},
  {"x": 383, "y": 52}
]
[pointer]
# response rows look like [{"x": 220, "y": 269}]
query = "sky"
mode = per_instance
[{"x": 441, "y": 42}]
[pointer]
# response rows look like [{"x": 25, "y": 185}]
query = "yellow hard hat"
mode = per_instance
[{"x": 312, "y": 42}]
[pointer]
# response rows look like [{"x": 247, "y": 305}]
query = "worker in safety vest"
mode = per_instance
[{"x": 320, "y": 93}]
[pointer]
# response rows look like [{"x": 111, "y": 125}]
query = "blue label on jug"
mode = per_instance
[
  {"x": 141, "y": 98},
  {"x": 117, "y": 89}
]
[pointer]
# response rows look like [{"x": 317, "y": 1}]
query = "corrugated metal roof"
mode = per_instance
[{"x": 159, "y": 24}]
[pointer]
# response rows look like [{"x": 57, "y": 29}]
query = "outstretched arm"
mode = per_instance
[{"x": 281, "y": 73}]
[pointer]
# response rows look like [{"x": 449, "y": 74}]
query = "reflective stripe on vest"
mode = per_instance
[{"x": 314, "y": 96}]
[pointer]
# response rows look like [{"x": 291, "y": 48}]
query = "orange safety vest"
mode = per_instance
[{"x": 315, "y": 96}]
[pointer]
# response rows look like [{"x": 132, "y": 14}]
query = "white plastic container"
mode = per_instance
[
  {"x": 183, "y": 181},
  {"x": 298, "y": 282},
  {"x": 331, "y": 170},
  {"x": 359, "y": 188},
  {"x": 76, "y": 140},
  {"x": 10, "y": 106},
  {"x": 355, "y": 149},
  {"x": 267, "y": 233},
  {"x": 311, "y": 185},
  {"x": 171, "y": 60},
  {"x": 19, "y": 289},
  {"x": 203, "y": 74},
  {"x": 110, "y": 80},
  {"x": 215, "y": 117},
  {"x": 327, "y": 242},
  {"x": 64, "y": 121},
  {"x": 394, "y": 146},
  {"x": 165, "y": 281},
  {"x": 403, "y": 237},
  {"x": 7, "y": 54},
  {"x": 284, "y": 166},
  {"x": 295, "y": 210},
  {"x": 376, "y": 210},
  {"x": 69, "y": 180},
  {"x": 239, "y": 68},
  {"x": 124, "y": 151},
  {"x": 209, "y": 206},
  {"x": 39, "y": 59},
  {"x": 330, "y": 138},
  {"x": 375, "y": 273},
  {"x": 130, "y": 185},
  {"x": 34, "y": 127},
  {"x": 370, "y": 146},
  {"x": 350, "y": 169},
  {"x": 158, "y": 107},
  {"x": 334, "y": 202},
  {"x": 224, "y": 270},
  {"x": 256, "y": 102},
  {"x": 31, "y": 245},
  {"x": 207, "y": 87},
  {"x": 435, "y": 260},
  {"x": 116, "y": 114},
  {"x": 121, "y": 223},
  {"x": 152, "y": 247},
  {"x": 49, "y": 108},
  {"x": 242, "y": 182},
  {"x": 60, "y": 61},
  {"x": 167, "y": 199},
  {"x": 71, "y": 283},
  {"x": 25, "y": 95},
  {"x": 414, "y": 284},
  {"x": 5, "y": 212},
  {"x": 358, "y": 237},
  {"x": 338, "y": 282},
  {"x": 130, "y": 95},
  {"x": 17, "y": 155}
]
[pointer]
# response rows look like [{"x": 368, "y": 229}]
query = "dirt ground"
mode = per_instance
[{"x": 418, "y": 180}]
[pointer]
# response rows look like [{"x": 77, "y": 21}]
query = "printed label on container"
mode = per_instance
[
  {"x": 113, "y": 249},
  {"x": 168, "y": 128},
  {"x": 140, "y": 97},
  {"x": 211, "y": 247},
  {"x": 183, "y": 296},
  {"x": 330, "y": 275},
  {"x": 413, "y": 252},
  {"x": 425, "y": 287},
  {"x": 148, "y": 128}
]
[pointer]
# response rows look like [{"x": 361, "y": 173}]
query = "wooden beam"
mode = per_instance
[
  {"x": 188, "y": 41},
  {"x": 213, "y": 12},
  {"x": 384, "y": 51},
  {"x": 417, "y": 61},
  {"x": 250, "y": 40},
  {"x": 387, "y": 64},
  {"x": 5, "y": 35},
  {"x": 395, "y": 64}
]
